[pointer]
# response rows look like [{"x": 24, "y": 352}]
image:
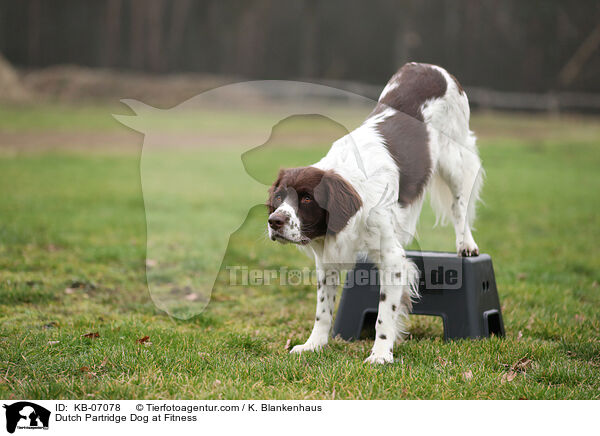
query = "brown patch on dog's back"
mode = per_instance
[
  {"x": 416, "y": 83},
  {"x": 404, "y": 132},
  {"x": 406, "y": 139}
]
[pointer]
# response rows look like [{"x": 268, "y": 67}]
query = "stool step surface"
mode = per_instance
[{"x": 460, "y": 290}]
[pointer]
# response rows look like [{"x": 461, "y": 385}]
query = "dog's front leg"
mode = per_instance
[
  {"x": 397, "y": 277},
  {"x": 327, "y": 284}
]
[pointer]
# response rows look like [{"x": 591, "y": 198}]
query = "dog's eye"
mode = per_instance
[
  {"x": 278, "y": 198},
  {"x": 306, "y": 199}
]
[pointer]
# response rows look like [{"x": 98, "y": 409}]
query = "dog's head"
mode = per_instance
[{"x": 306, "y": 203}]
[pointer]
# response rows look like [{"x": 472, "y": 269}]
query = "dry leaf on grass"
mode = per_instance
[
  {"x": 508, "y": 377},
  {"x": 144, "y": 339},
  {"x": 520, "y": 366},
  {"x": 91, "y": 335}
]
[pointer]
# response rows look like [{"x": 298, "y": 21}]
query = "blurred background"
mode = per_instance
[{"x": 543, "y": 55}]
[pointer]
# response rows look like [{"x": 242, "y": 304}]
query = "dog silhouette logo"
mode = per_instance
[{"x": 26, "y": 415}]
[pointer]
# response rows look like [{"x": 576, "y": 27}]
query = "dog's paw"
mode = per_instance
[
  {"x": 380, "y": 359},
  {"x": 467, "y": 249},
  {"x": 308, "y": 346}
]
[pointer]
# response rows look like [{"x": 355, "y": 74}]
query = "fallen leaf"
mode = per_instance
[
  {"x": 144, "y": 339},
  {"x": 468, "y": 375},
  {"x": 522, "y": 365},
  {"x": 287, "y": 344},
  {"x": 53, "y": 342},
  {"x": 508, "y": 377},
  {"x": 84, "y": 369},
  {"x": 91, "y": 335}
]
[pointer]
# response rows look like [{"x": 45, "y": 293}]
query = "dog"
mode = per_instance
[{"x": 364, "y": 198}]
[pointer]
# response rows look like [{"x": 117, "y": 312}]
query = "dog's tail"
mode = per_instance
[{"x": 440, "y": 198}]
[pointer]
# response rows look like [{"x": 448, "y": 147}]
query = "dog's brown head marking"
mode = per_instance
[{"x": 323, "y": 201}]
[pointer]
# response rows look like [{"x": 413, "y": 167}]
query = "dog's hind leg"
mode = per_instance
[{"x": 455, "y": 191}]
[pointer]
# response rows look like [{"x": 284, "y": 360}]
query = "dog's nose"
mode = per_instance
[{"x": 276, "y": 221}]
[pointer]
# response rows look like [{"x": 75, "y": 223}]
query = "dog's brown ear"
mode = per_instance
[
  {"x": 272, "y": 189},
  {"x": 338, "y": 198}
]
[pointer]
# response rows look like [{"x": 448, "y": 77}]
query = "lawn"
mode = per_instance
[{"x": 75, "y": 300}]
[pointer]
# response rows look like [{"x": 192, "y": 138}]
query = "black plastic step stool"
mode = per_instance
[{"x": 461, "y": 290}]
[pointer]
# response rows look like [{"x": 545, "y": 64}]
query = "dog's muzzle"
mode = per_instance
[{"x": 278, "y": 220}]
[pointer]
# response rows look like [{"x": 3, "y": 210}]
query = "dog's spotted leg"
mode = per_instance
[
  {"x": 389, "y": 303},
  {"x": 326, "y": 289},
  {"x": 398, "y": 277}
]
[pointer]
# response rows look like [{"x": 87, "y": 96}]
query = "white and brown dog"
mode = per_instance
[{"x": 365, "y": 196}]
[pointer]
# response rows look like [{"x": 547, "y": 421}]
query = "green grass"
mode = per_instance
[{"x": 75, "y": 220}]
